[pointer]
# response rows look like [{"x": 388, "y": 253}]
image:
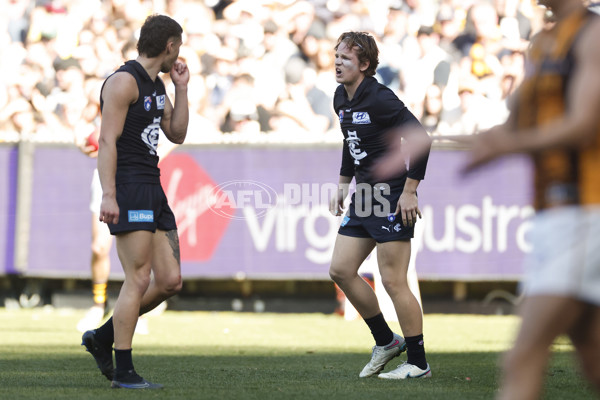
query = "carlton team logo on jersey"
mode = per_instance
[
  {"x": 361, "y": 118},
  {"x": 147, "y": 102}
]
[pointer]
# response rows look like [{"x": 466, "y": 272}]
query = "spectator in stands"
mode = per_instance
[
  {"x": 17, "y": 19},
  {"x": 21, "y": 121},
  {"x": 422, "y": 72},
  {"x": 432, "y": 109},
  {"x": 302, "y": 106},
  {"x": 474, "y": 113},
  {"x": 239, "y": 108},
  {"x": 448, "y": 26},
  {"x": 241, "y": 37}
]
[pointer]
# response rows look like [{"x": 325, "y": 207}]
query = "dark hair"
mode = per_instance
[
  {"x": 155, "y": 33},
  {"x": 366, "y": 48}
]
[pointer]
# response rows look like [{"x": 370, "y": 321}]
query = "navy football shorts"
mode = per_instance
[
  {"x": 369, "y": 218},
  {"x": 142, "y": 207}
]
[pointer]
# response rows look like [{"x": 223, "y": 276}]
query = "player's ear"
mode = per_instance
[
  {"x": 364, "y": 66},
  {"x": 170, "y": 45}
]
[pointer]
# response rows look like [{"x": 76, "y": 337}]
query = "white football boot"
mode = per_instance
[
  {"x": 406, "y": 371},
  {"x": 382, "y": 355}
]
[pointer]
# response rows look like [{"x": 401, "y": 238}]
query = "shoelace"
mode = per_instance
[{"x": 403, "y": 364}]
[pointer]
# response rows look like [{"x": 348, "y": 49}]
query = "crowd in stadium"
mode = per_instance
[{"x": 262, "y": 70}]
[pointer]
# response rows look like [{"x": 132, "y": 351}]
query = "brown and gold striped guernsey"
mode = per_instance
[{"x": 561, "y": 176}]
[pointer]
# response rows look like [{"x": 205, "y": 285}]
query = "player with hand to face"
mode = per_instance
[{"x": 135, "y": 109}]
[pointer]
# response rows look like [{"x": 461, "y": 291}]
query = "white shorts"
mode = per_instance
[
  {"x": 96, "y": 193},
  {"x": 566, "y": 255}
]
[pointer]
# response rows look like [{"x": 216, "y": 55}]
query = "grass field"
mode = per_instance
[{"x": 204, "y": 355}]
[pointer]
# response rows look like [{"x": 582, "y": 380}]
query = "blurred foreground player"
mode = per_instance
[
  {"x": 555, "y": 117},
  {"x": 381, "y": 214},
  {"x": 135, "y": 108}
]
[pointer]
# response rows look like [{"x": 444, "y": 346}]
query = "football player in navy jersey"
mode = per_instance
[
  {"x": 381, "y": 214},
  {"x": 135, "y": 107}
]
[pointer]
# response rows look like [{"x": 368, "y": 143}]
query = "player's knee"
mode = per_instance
[
  {"x": 172, "y": 284},
  {"x": 338, "y": 275},
  {"x": 100, "y": 250},
  {"x": 177, "y": 284},
  {"x": 393, "y": 284},
  {"x": 333, "y": 274},
  {"x": 140, "y": 281}
]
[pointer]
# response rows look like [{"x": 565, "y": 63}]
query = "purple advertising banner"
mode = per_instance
[
  {"x": 262, "y": 213},
  {"x": 474, "y": 226},
  {"x": 60, "y": 228},
  {"x": 8, "y": 186}
]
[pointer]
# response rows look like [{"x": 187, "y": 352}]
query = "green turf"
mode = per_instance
[{"x": 203, "y": 355}]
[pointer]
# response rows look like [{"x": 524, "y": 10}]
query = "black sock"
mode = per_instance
[
  {"x": 106, "y": 333},
  {"x": 380, "y": 330},
  {"x": 415, "y": 351},
  {"x": 123, "y": 361}
]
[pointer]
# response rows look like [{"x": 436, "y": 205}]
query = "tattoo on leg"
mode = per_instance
[{"x": 174, "y": 242}]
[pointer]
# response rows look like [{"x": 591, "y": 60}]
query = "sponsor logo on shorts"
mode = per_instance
[
  {"x": 147, "y": 102},
  {"x": 396, "y": 228},
  {"x": 140, "y": 216},
  {"x": 361, "y": 118},
  {"x": 391, "y": 217},
  {"x": 345, "y": 220}
]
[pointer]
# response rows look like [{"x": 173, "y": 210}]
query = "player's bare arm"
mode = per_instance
[
  {"x": 582, "y": 117},
  {"x": 175, "y": 118},
  {"x": 576, "y": 128},
  {"x": 118, "y": 93},
  {"x": 406, "y": 144}
]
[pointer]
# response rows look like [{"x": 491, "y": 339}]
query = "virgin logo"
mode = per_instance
[{"x": 191, "y": 193}]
